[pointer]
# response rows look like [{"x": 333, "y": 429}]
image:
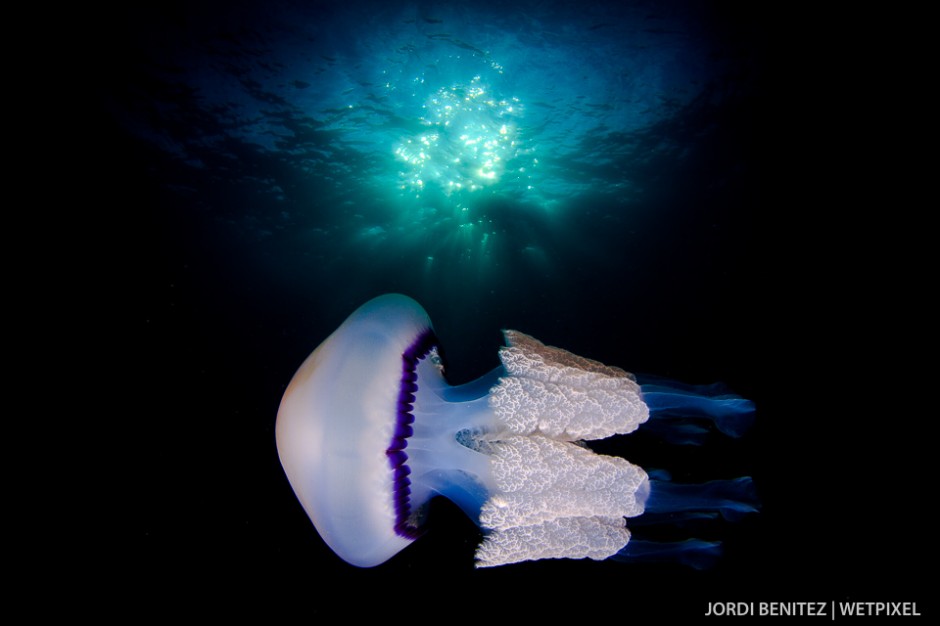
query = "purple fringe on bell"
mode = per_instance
[{"x": 397, "y": 456}]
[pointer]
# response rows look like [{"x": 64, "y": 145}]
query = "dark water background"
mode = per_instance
[{"x": 254, "y": 199}]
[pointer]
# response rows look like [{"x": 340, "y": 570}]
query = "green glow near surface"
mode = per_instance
[{"x": 470, "y": 140}]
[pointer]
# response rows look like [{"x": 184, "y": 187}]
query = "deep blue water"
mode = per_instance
[
  {"x": 589, "y": 173},
  {"x": 618, "y": 186}
]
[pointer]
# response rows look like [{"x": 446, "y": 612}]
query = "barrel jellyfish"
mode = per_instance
[{"x": 369, "y": 430}]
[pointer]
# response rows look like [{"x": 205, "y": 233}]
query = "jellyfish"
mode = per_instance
[{"x": 369, "y": 431}]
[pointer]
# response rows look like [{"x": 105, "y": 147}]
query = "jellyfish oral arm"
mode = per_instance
[
  {"x": 557, "y": 500},
  {"x": 506, "y": 454},
  {"x": 552, "y": 497},
  {"x": 561, "y": 395}
]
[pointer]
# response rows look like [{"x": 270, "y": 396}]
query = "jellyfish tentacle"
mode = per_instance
[
  {"x": 677, "y": 504},
  {"x": 679, "y": 411},
  {"x": 731, "y": 498},
  {"x": 694, "y": 553}
]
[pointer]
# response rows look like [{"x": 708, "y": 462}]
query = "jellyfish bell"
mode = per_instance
[
  {"x": 369, "y": 431},
  {"x": 336, "y": 422}
]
